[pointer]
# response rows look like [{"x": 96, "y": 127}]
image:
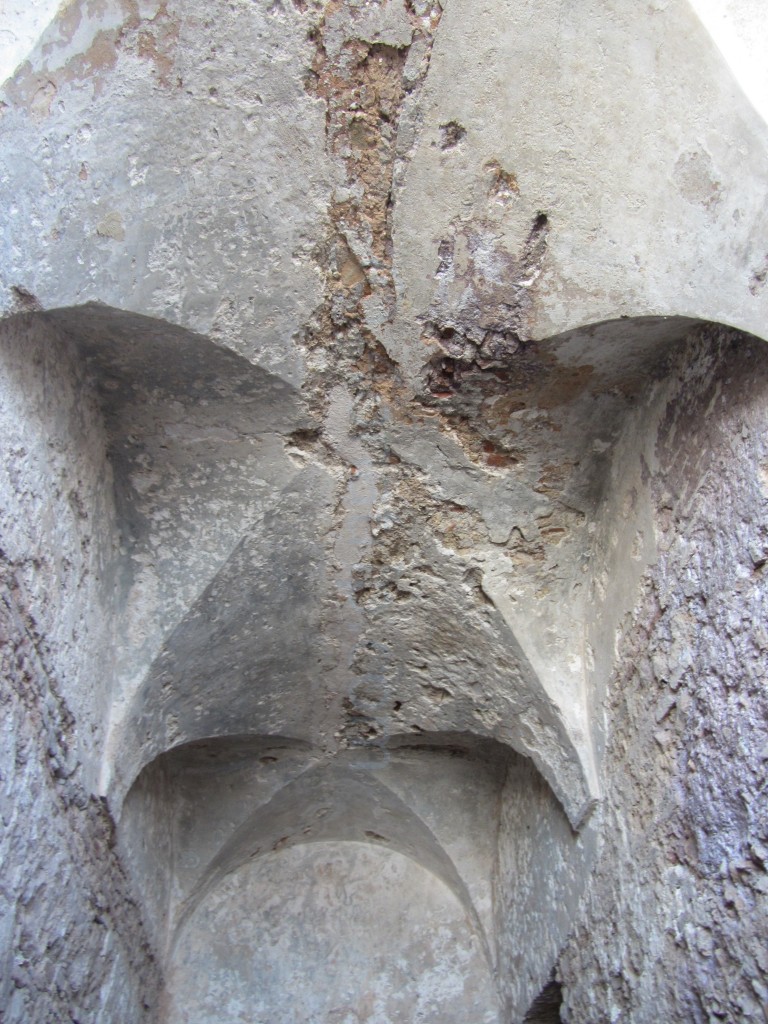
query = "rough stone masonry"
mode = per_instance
[{"x": 384, "y": 419}]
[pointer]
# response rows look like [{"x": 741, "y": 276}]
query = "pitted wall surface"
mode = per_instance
[
  {"x": 676, "y": 912},
  {"x": 72, "y": 938},
  {"x": 382, "y": 512}
]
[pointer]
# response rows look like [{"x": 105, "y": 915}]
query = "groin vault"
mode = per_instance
[{"x": 383, "y": 529}]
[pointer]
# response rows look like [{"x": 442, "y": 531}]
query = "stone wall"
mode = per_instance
[
  {"x": 363, "y": 483},
  {"x": 72, "y": 945},
  {"x": 543, "y": 867},
  {"x": 675, "y": 921},
  {"x": 57, "y": 515}
]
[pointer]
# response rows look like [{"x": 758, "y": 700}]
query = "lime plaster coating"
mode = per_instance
[{"x": 382, "y": 512}]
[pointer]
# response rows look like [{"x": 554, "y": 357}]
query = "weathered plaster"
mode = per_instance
[
  {"x": 739, "y": 28},
  {"x": 231, "y": 258},
  {"x": 23, "y": 23},
  {"x": 344, "y": 968},
  {"x": 652, "y": 148},
  {"x": 359, "y": 433}
]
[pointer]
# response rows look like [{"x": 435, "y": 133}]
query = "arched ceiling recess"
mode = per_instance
[
  {"x": 330, "y": 931},
  {"x": 250, "y": 604},
  {"x": 452, "y": 593},
  {"x": 226, "y": 615},
  {"x": 232, "y": 593},
  {"x": 197, "y": 440},
  {"x": 336, "y": 803},
  {"x": 259, "y": 652},
  {"x": 230, "y": 800}
]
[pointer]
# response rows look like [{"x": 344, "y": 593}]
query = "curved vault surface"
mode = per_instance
[
  {"x": 485, "y": 255},
  {"x": 641, "y": 189},
  {"x": 631, "y": 367},
  {"x": 231, "y": 568},
  {"x": 340, "y": 948},
  {"x": 243, "y": 599},
  {"x": 216, "y": 225},
  {"x": 440, "y": 641},
  {"x": 441, "y": 530},
  {"x": 594, "y": 395},
  {"x": 265, "y": 587},
  {"x": 238, "y": 812}
]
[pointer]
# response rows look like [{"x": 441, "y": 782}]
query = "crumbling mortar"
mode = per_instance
[
  {"x": 363, "y": 89},
  {"x": 469, "y": 343}
]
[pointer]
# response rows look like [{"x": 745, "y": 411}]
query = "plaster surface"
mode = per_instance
[
  {"x": 366, "y": 956},
  {"x": 23, "y": 24},
  {"x": 739, "y": 28},
  {"x": 382, "y": 514}
]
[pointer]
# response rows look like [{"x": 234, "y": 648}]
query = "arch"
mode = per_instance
[
  {"x": 196, "y": 440},
  {"x": 341, "y": 804},
  {"x": 237, "y": 590},
  {"x": 406, "y": 796},
  {"x": 334, "y": 932},
  {"x": 187, "y": 424},
  {"x": 262, "y": 629}
]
